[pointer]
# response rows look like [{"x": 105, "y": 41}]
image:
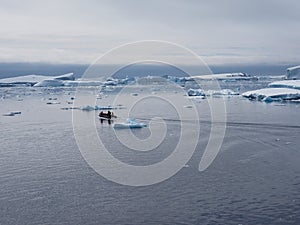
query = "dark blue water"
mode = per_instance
[{"x": 255, "y": 178}]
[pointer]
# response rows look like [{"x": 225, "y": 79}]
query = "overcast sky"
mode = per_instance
[{"x": 222, "y": 32}]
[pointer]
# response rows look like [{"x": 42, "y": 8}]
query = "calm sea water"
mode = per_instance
[{"x": 44, "y": 179}]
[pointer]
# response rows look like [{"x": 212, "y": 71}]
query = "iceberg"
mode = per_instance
[
  {"x": 28, "y": 80},
  {"x": 36, "y": 80},
  {"x": 293, "y": 72},
  {"x": 67, "y": 76},
  {"x": 295, "y": 84},
  {"x": 273, "y": 94},
  {"x": 55, "y": 81},
  {"x": 49, "y": 83}
]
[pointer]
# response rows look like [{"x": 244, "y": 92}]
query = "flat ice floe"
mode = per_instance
[
  {"x": 273, "y": 94},
  {"x": 285, "y": 84}
]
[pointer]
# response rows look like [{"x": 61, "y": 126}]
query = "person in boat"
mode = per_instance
[{"x": 107, "y": 115}]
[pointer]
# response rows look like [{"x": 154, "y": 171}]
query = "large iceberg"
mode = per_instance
[
  {"x": 49, "y": 83},
  {"x": 55, "y": 81},
  {"x": 273, "y": 94},
  {"x": 286, "y": 84},
  {"x": 293, "y": 72},
  {"x": 29, "y": 80},
  {"x": 36, "y": 80}
]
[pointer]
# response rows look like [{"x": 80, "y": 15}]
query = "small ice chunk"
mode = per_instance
[
  {"x": 96, "y": 107},
  {"x": 12, "y": 113},
  {"x": 52, "y": 103},
  {"x": 130, "y": 123},
  {"x": 195, "y": 92},
  {"x": 87, "y": 108}
]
